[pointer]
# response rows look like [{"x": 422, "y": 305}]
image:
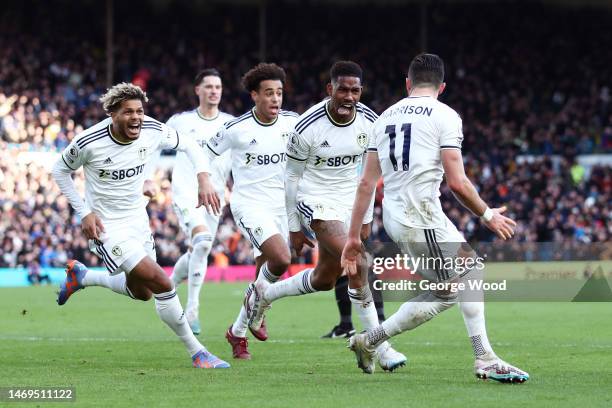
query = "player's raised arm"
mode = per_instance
[
  {"x": 297, "y": 155},
  {"x": 466, "y": 193},
  {"x": 363, "y": 197},
  {"x": 71, "y": 159}
]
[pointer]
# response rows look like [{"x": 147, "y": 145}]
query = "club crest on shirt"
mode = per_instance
[
  {"x": 362, "y": 140},
  {"x": 258, "y": 231},
  {"x": 142, "y": 153},
  {"x": 117, "y": 250}
]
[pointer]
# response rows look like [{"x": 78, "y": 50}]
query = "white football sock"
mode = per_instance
[
  {"x": 474, "y": 318},
  {"x": 239, "y": 328},
  {"x": 361, "y": 298},
  {"x": 202, "y": 243},
  {"x": 181, "y": 269},
  {"x": 116, "y": 283},
  {"x": 266, "y": 275},
  {"x": 415, "y": 312},
  {"x": 170, "y": 311},
  {"x": 298, "y": 284}
]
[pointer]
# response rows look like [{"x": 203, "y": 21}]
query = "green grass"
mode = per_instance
[{"x": 117, "y": 353}]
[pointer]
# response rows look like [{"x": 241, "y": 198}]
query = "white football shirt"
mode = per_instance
[
  {"x": 114, "y": 171},
  {"x": 408, "y": 137},
  {"x": 192, "y": 124},
  {"x": 332, "y": 154},
  {"x": 258, "y": 155}
]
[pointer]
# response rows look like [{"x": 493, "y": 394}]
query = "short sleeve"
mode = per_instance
[
  {"x": 74, "y": 154},
  {"x": 298, "y": 148},
  {"x": 372, "y": 146},
  {"x": 221, "y": 142},
  {"x": 451, "y": 134},
  {"x": 169, "y": 137}
]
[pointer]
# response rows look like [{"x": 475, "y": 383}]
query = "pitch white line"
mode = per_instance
[{"x": 278, "y": 341}]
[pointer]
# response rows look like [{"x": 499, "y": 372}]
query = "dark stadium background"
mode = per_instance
[{"x": 531, "y": 80}]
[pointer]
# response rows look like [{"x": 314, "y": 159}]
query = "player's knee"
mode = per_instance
[
  {"x": 202, "y": 243},
  {"x": 143, "y": 295},
  {"x": 321, "y": 283},
  {"x": 279, "y": 264},
  {"x": 445, "y": 299}
]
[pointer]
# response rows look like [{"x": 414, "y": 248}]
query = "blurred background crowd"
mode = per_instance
[{"x": 534, "y": 94}]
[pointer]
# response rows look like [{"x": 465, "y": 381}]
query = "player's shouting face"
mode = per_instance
[
  {"x": 127, "y": 120},
  {"x": 268, "y": 99},
  {"x": 345, "y": 92}
]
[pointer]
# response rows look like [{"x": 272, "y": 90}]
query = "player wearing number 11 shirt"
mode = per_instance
[{"x": 414, "y": 144}]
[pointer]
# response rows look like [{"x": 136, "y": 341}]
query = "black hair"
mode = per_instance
[
  {"x": 426, "y": 69},
  {"x": 262, "y": 72},
  {"x": 204, "y": 73},
  {"x": 345, "y": 68}
]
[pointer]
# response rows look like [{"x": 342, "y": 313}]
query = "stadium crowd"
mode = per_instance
[{"x": 540, "y": 90}]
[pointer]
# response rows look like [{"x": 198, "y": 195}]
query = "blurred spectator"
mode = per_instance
[
  {"x": 34, "y": 275},
  {"x": 514, "y": 89}
]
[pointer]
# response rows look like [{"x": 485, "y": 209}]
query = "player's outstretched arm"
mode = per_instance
[
  {"x": 466, "y": 193},
  {"x": 207, "y": 196},
  {"x": 293, "y": 173},
  {"x": 353, "y": 247}
]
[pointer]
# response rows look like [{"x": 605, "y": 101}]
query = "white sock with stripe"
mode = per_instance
[
  {"x": 298, "y": 284},
  {"x": 361, "y": 298},
  {"x": 169, "y": 309},
  {"x": 266, "y": 275}
]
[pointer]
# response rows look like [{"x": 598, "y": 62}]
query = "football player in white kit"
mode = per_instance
[
  {"x": 257, "y": 141},
  {"x": 199, "y": 225},
  {"x": 114, "y": 154},
  {"x": 324, "y": 157},
  {"x": 415, "y": 143}
]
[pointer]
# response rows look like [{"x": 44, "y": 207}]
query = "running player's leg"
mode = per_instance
[
  {"x": 201, "y": 244},
  {"x": 236, "y": 333},
  {"x": 344, "y": 328},
  {"x": 180, "y": 271},
  {"x": 268, "y": 234},
  {"x": 411, "y": 314},
  {"x": 113, "y": 252},
  {"x": 147, "y": 276},
  {"x": 331, "y": 236},
  {"x": 471, "y": 304}
]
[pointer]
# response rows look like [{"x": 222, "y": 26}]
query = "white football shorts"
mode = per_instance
[
  {"x": 443, "y": 243},
  {"x": 257, "y": 225},
  {"x": 122, "y": 247}
]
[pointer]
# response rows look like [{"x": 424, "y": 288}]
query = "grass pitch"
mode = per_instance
[{"x": 117, "y": 353}]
